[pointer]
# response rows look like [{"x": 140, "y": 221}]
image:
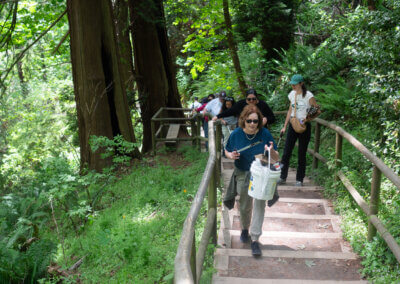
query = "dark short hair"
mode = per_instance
[
  {"x": 247, "y": 110},
  {"x": 251, "y": 92},
  {"x": 196, "y": 98}
]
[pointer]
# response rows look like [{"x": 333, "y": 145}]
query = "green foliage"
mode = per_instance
[
  {"x": 136, "y": 239},
  {"x": 271, "y": 21}
]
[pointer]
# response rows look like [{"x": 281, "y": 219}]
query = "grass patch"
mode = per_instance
[{"x": 136, "y": 238}]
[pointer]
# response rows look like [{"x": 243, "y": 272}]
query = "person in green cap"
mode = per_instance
[{"x": 301, "y": 101}]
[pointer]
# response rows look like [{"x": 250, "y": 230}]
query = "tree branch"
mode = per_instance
[
  {"x": 13, "y": 12},
  {"x": 61, "y": 42},
  {"x": 29, "y": 46}
]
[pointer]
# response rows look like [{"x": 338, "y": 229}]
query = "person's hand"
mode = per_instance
[
  {"x": 283, "y": 130},
  {"x": 270, "y": 147},
  {"x": 214, "y": 118},
  {"x": 265, "y": 120},
  {"x": 223, "y": 122},
  {"x": 233, "y": 155}
]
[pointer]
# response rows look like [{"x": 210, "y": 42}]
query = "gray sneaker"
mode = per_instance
[
  {"x": 298, "y": 183},
  {"x": 281, "y": 181}
]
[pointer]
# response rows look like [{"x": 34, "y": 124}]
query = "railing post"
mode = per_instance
[
  {"x": 374, "y": 201},
  {"x": 193, "y": 256},
  {"x": 153, "y": 137},
  {"x": 198, "y": 141},
  {"x": 212, "y": 201},
  {"x": 317, "y": 141},
  {"x": 193, "y": 130},
  {"x": 218, "y": 147},
  {"x": 338, "y": 153}
]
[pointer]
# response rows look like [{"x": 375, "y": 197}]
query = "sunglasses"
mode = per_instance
[
  {"x": 251, "y": 99},
  {"x": 255, "y": 121}
]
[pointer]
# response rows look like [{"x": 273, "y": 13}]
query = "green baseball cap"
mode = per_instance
[{"x": 296, "y": 79}]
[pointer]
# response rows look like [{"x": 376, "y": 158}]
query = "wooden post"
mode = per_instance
[
  {"x": 317, "y": 141},
  {"x": 198, "y": 134},
  {"x": 374, "y": 201},
  {"x": 193, "y": 130},
  {"x": 193, "y": 256},
  {"x": 153, "y": 137},
  {"x": 218, "y": 147},
  {"x": 212, "y": 200},
  {"x": 338, "y": 154}
]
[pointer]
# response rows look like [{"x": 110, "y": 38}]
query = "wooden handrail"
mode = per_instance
[
  {"x": 370, "y": 210},
  {"x": 185, "y": 271},
  {"x": 388, "y": 172}
]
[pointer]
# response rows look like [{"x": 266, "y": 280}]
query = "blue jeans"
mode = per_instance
[{"x": 205, "y": 128}]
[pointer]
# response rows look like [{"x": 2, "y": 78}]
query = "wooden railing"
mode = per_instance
[
  {"x": 379, "y": 167},
  {"x": 194, "y": 120},
  {"x": 188, "y": 262}
]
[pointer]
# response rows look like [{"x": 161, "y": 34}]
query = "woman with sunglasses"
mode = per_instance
[
  {"x": 251, "y": 99},
  {"x": 249, "y": 133},
  {"x": 229, "y": 122}
]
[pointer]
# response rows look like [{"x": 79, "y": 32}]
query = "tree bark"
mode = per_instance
[
  {"x": 233, "y": 48},
  {"x": 99, "y": 89},
  {"x": 125, "y": 47},
  {"x": 155, "y": 74}
]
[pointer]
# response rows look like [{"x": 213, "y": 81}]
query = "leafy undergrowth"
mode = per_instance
[
  {"x": 379, "y": 263},
  {"x": 135, "y": 239}
]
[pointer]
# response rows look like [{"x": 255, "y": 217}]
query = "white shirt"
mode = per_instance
[
  {"x": 303, "y": 104},
  {"x": 195, "y": 105},
  {"x": 214, "y": 107}
]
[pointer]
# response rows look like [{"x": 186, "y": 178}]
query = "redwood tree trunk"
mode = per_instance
[
  {"x": 125, "y": 47},
  {"x": 155, "y": 75},
  {"x": 99, "y": 90},
  {"x": 233, "y": 48}
]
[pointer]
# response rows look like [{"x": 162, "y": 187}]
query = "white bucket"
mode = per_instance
[{"x": 262, "y": 180}]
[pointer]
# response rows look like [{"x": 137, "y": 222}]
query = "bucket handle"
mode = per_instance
[{"x": 269, "y": 157}]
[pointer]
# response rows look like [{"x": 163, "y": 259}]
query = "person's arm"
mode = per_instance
[
  {"x": 199, "y": 109},
  {"x": 267, "y": 112},
  {"x": 235, "y": 110},
  {"x": 233, "y": 155},
  {"x": 313, "y": 103},
  {"x": 289, "y": 113}
]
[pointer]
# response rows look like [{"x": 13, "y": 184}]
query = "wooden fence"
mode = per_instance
[{"x": 188, "y": 263}]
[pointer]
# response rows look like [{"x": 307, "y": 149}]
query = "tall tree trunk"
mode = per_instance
[
  {"x": 233, "y": 48},
  {"x": 155, "y": 73},
  {"x": 125, "y": 47},
  {"x": 371, "y": 5},
  {"x": 21, "y": 77},
  {"x": 99, "y": 89}
]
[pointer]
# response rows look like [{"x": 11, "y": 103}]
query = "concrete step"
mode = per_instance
[
  {"x": 284, "y": 242},
  {"x": 236, "y": 280},
  {"x": 292, "y": 224},
  {"x": 277, "y": 264},
  {"x": 303, "y": 192},
  {"x": 298, "y": 206}
]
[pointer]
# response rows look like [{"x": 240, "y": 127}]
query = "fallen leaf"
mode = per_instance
[
  {"x": 301, "y": 246},
  {"x": 282, "y": 260},
  {"x": 310, "y": 263},
  {"x": 325, "y": 226}
]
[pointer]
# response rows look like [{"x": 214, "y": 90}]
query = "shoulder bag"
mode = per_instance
[{"x": 296, "y": 124}]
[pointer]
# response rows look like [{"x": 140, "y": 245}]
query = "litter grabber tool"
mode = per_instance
[
  {"x": 280, "y": 137},
  {"x": 249, "y": 146}
]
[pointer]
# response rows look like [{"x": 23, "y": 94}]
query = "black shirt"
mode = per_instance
[{"x": 237, "y": 108}]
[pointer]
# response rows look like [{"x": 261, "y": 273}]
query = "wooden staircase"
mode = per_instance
[{"x": 301, "y": 241}]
